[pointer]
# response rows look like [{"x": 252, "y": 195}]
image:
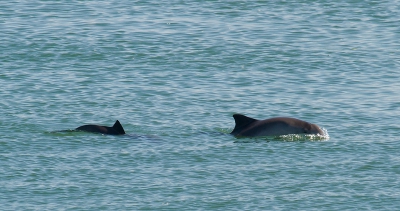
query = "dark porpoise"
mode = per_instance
[
  {"x": 249, "y": 127},
  {"x": 116, "y": 129}
]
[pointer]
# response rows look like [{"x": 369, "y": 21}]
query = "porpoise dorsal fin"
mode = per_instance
[
  {"x": 118, "y": 127},
  {"x": 241, "y": 122}
]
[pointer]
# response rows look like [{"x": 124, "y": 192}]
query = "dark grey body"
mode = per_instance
[
  {"x": 249, "y": 127},
  {"x": 116, "y": 129}
]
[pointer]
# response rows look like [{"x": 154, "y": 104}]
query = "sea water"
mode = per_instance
[{"x": 173, "y": 73}]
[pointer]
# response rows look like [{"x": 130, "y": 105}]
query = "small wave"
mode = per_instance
[{"x": 286, "y": 138}]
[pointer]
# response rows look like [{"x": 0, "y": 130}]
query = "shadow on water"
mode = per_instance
[{"x": 63, "y": 133}]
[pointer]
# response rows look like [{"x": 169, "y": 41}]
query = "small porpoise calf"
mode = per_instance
[
  {"x": 249, "y": 127},
  {"x": 116, "y": 129}
]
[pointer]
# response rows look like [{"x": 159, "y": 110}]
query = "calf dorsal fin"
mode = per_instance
[{"x": 118, "y": 127}]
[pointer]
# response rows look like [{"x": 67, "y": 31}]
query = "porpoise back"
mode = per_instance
[
  {"x": 249, "y": 127},
  {"x": 116, "y": 129}
]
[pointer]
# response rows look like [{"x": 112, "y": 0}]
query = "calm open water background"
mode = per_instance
[{"x": 173, "y": 72}]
